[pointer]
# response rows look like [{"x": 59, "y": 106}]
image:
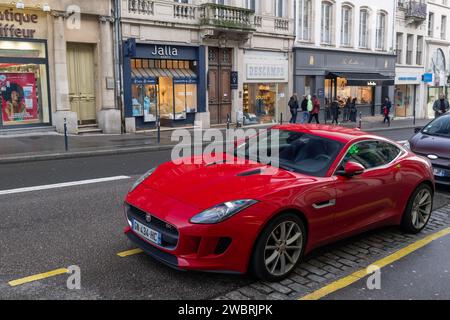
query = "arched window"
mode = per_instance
[
  {"x": 364, "y": 28},
  {"x": 326, "y": 22},
  {"x": 305, "y": 20},
  {"x": 380, "y": 42},
  {"x": 346, "y": 25}
]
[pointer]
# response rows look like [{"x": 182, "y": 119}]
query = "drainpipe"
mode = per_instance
[{"x": 117, "y": 58}]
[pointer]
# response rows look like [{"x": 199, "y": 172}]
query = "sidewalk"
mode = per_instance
[{"x": 50, "y": 145}]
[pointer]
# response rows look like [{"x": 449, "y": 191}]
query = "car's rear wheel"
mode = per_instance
[
  {"x": 419, "y": 208},
  {"x": 279, "y": 248}
]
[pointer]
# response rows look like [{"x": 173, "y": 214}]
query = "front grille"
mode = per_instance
[{"x": 169, "y": 233}]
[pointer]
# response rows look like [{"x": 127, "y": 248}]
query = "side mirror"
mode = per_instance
[
  {"x": 352, "y": 169},
  {"x": 417, "y": 130}
]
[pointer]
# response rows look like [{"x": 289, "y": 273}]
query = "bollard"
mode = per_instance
[
  {"x": 66, "y": 140},
  {"x": 158, "y": 127},
  {"x": 360, "y": 121},
  {"x": 228, "y": 121},
  {"x": 243, "y": 121},
  {"x": 281, "y": 118}
]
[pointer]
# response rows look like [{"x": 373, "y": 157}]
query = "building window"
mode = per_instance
[
  {"x": 327, "y": 22},
  {"x": 409, "y": 49},
  {"x": 24, "y": 95},
  {"x": 380, "y": 43},
  {"x": 399, "y": 48},
  {"x": 346, "y": 25},
  {"x": 430, "y": 24},
  {"x": 364, "y": 29},
  {"x": 250, "y": 4},
  {"x": 443, "y": 27},
  {"x": 279, "y": 8},
  {"x": 419, "y": 52},
  {"x": 305, "y": 20}
]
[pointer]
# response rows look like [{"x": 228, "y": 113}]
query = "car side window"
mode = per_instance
[
  {"x": 388, "y": 150},
  {"x": 368, "y": 153}
]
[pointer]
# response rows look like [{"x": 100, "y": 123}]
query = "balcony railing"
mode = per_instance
[
  {"x": 185, "y": 11},
  {"x": 141, "y": 6},
  {"x": 281, "y": 24},
  {"x": 227, "y": 17},
  {"x": 416, "y": 10}
]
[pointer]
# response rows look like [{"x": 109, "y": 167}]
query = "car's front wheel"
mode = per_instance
[
  {"x": 279, "y": 248},
  {"x": 418, "y": 211}
]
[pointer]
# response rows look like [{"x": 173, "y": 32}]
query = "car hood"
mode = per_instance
[
  {"x": 206, "y": 185},
  {"x": 431, "y": 145}
]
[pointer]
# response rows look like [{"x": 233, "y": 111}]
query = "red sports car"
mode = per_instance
[{"x": 329, "y": 183}]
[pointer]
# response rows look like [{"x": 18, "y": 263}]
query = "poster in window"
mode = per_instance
[{"x": 19, "y": 97}]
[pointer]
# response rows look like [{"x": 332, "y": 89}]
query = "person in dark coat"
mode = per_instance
[
  {"x": 335, "y": 110},
  {"x": 387, "y": 106},
  {"x": 441, "y": 106},
  {"x": 293, "y": 107},
  {"x": 353, "y": 110}
]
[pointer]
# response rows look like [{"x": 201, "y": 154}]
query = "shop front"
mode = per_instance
[
  {"x": 407, "y": 91},
  {"x": 330, "y": 74},
  {"x": 24, "y": 82},
  {"x": 161, "y": 82},
  {"x": 438, "y": 85},
  {"x": 265, "y": 94}
]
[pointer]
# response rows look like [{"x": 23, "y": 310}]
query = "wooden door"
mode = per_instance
[
  {"x": 80, "y": 68},
  {"x": 219, "y": 89}
]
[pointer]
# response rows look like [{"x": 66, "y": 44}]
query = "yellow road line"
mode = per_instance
[
  {"x": 348, "y": 280},
  {"x": 130, "y": 253},
  {"x": 38, "y": 277}
]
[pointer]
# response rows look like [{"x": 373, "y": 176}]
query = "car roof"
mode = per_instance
[{"x": 337, "y": 133}]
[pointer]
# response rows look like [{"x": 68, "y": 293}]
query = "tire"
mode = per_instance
[
  {"x": 267, "y": 248},
  {"x": 418, "y": 211}
]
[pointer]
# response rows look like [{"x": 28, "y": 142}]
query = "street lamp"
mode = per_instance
[
  {"x": 19, "y": 4},
  {"x": 46, "y": 7}
]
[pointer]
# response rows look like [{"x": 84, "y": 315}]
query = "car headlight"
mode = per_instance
[
  {"x": 141, "y": 179},
  {"x": 222, "y": 211},
  {"x": 407, "y": 145}
]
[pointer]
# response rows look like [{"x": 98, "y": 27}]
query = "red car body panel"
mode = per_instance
[{"x": 176, "y": 193}]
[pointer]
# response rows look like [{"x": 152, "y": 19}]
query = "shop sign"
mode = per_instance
[
  {"x": 427, "y": 78},
  {"x": 234, "y": 80},
  {"x": 12, "y": 24},
  {"x": 164, "y": 51},
  {"x": 265, "y": 72},
  {"x": 372, "y": 83}
]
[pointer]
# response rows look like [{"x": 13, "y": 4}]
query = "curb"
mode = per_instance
[{"x": 126, "y": 150}]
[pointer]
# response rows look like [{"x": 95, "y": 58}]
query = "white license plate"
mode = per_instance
[
  {"x": 146, "y": 232},
  {"x": 440, "y": 173}
]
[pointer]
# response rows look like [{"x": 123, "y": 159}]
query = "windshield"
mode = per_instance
[
  {"x": 296, "y": 151},
  {"x": 438, "y": 127}
]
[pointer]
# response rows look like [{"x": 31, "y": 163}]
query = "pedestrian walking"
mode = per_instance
[
  {"x": 314, "y": 114},
  {"x": 353, "y": 110},
  {"x": 387, "y": 106},
  {"x": 441, "y": 106},
  {"x": 304, "y": 110},
  {"x": 335, "y": 111},
  {"x": 347, "y": 109},
  {"x": 293, "y": 107}
]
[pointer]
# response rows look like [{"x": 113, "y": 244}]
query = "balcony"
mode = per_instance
[
  {"x": 416, "y": 11},
  {"x": 218, "y": 18}
]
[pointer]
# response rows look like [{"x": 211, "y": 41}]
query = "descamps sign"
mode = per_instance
[
  {"x": 266, "y": 66},
  {"x": 12, "y": 24}
]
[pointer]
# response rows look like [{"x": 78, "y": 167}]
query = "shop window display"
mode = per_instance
[
  {"x": 363, "y": 94},
  {"x": 261, "y": 102}
]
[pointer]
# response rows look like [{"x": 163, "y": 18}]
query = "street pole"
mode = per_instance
[
  {"x": 360, "y": 120},
  {"x": 281, "y": 118},
  {"x": 158, "y": 124},
  {"x": 228, "y": 121},
  {"x": 66, "y": 140}
]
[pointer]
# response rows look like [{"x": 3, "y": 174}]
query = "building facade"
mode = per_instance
[
  {"x": 206, "y": 60},
  {"x": 57, "y": 65},
  {"x": 345, "y": 49},
  {"x": 437, "y": 43},
  {"x": 411, "y": 32}
]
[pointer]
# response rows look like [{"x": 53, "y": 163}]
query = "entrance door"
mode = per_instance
[
  {"x": 219, "y": 89},
  {"x": 80, "y": 68}
]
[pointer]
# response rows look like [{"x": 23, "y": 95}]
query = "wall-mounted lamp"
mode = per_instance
[
  {"x": 46, "y": 7},
  {"x": 19, "y": 4}
]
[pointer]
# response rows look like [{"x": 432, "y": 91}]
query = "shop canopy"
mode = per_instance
[
  {"x": 363, "y": 79},
  {"x": 150, "y": 76}
]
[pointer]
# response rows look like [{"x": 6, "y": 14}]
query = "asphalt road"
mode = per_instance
[
  {"x": 82, "y": 225},
  {"x": 401, "y": 280}
]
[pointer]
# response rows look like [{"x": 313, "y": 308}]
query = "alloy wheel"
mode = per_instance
[
  {"x": 283, "y": 248},
  {"x": 421, "y": 209}
]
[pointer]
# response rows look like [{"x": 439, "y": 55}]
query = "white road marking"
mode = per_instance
[{"x": 62, "y": 185}]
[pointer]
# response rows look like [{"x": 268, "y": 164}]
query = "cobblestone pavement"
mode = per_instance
[{"x": 335, "y": 261}]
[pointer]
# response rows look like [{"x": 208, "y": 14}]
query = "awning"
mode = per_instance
[
  {"x": 363, "y": 79},
  {"x": 150, "y": 76}
]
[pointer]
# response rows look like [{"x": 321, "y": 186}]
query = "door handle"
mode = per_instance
[{"x": 324, "y": 204}]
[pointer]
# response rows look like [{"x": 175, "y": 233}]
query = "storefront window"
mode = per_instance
[
  {"x": 404, "y": 100},
  {"x": 363, "y": 95},
  {"x": 262, "y": 101},
  {"x": 22, "y": 49},
  {"x": 173, "y": 94},
  {"x": 24, "y": 94}
]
